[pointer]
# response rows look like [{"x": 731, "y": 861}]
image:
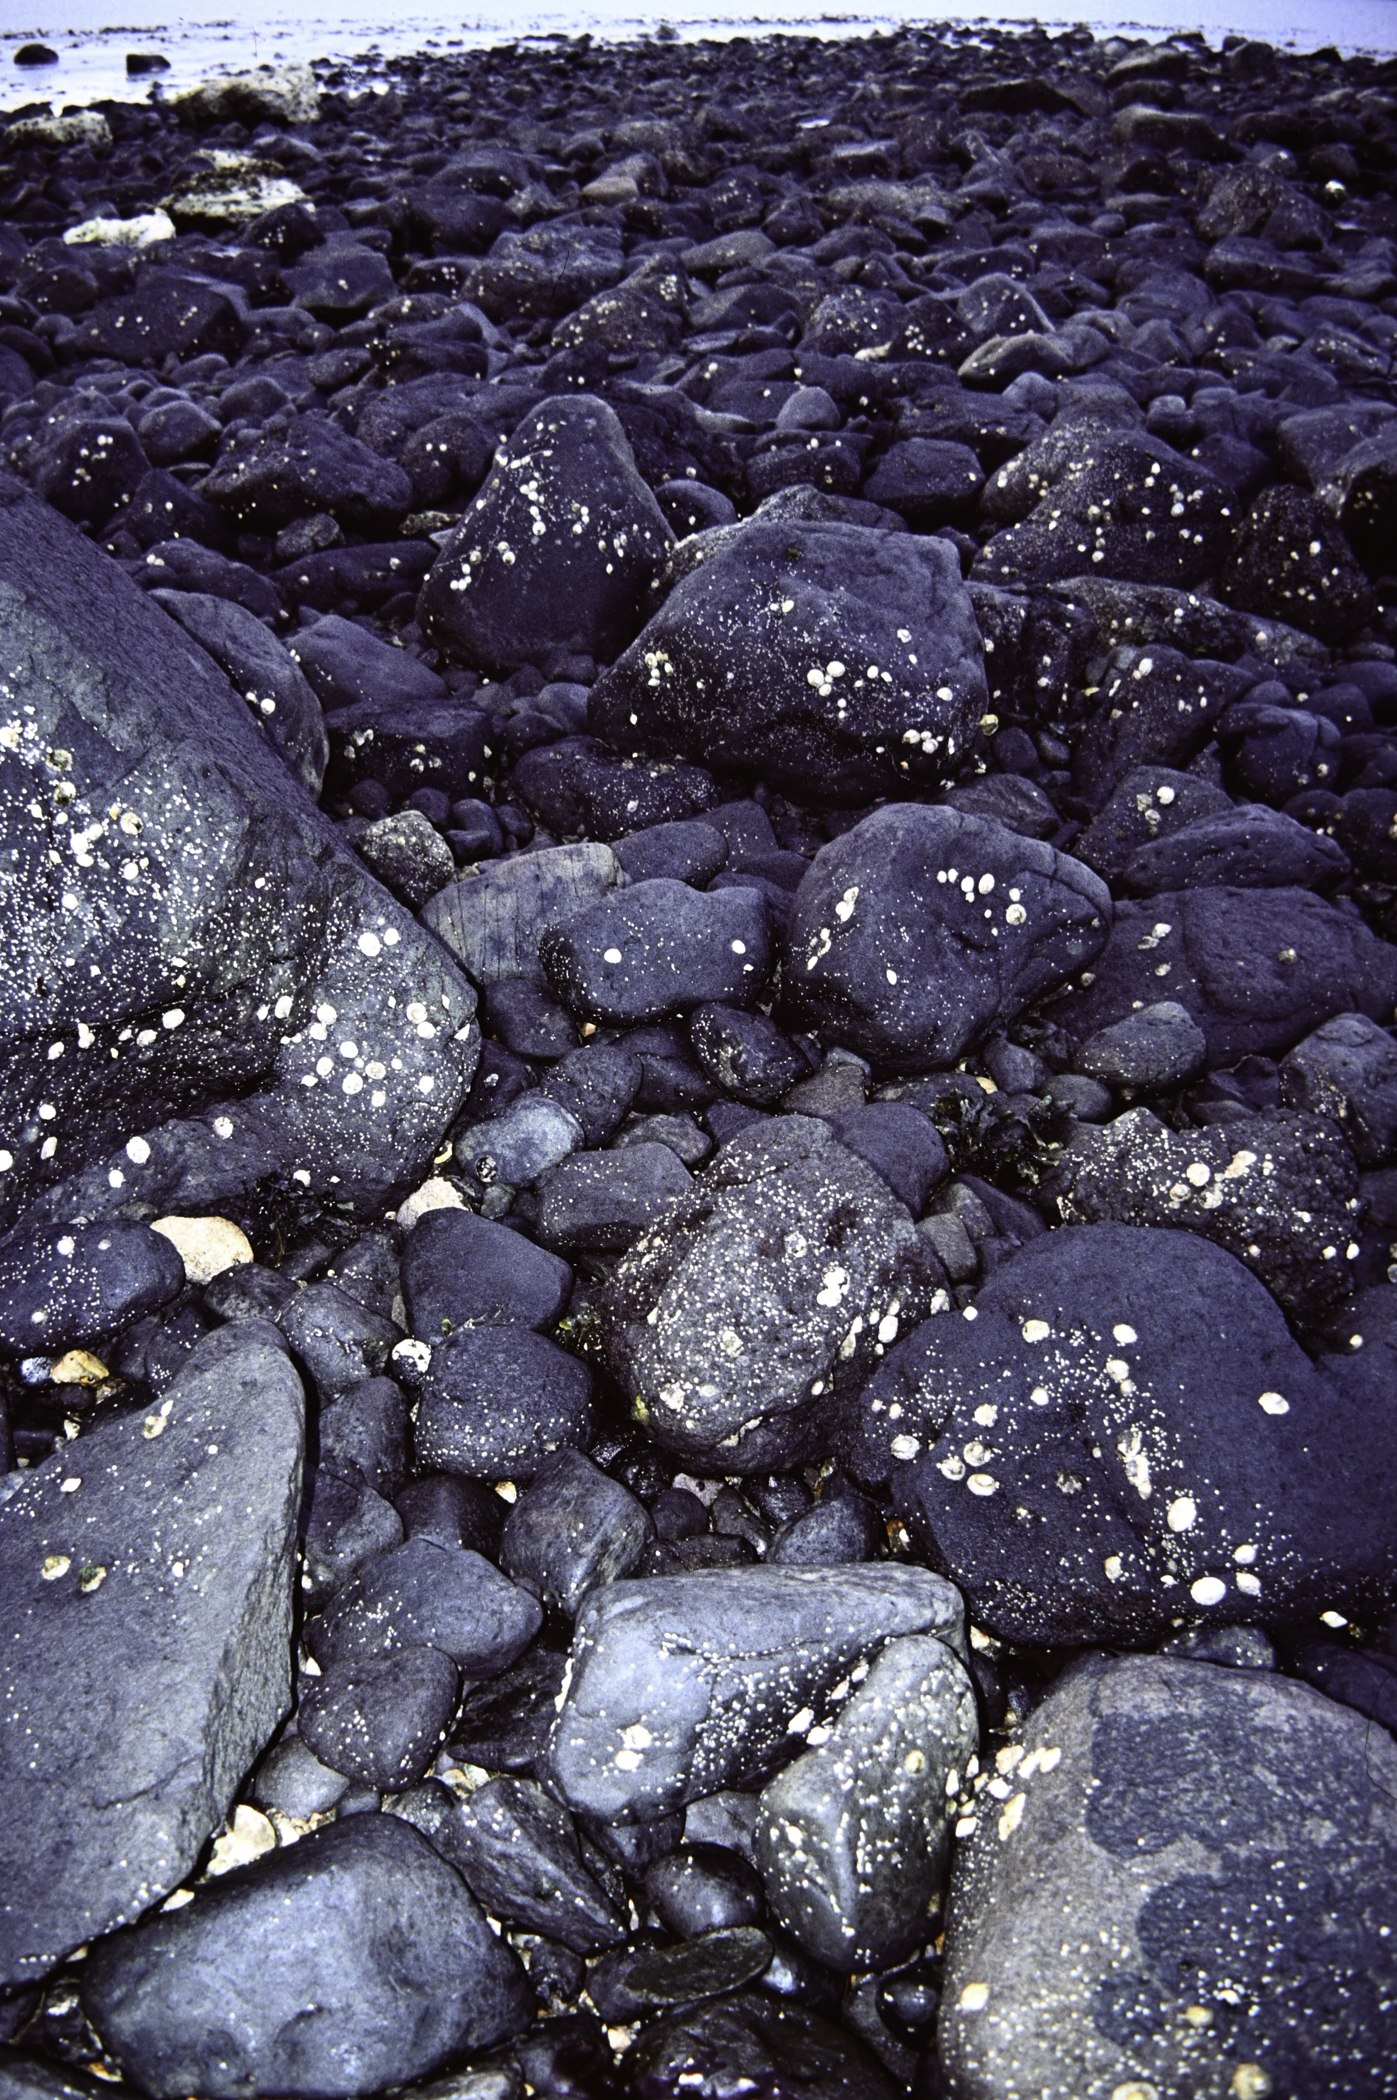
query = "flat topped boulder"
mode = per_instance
[
  {"x": 145, "y": 1578},
  {"x": 836, "y": 661}
]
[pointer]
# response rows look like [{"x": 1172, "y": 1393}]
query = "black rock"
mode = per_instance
[
  {"x": 1252, "y": 848},
  {"x": 497, "y": 1400},
  {"x": 61, "y": 1288},
  {"x": 264, "y": 479},
  {"x": 363, "y": 1921},
  {"x": 577, "y": 785},
  {"x": 366, "y": 1432},
  {"x": 283, "y": 705},
  {"x": 339, "y": 1341},
  {"x": 1157, "y": 708},
  {"x": 751, "y": 2035},
  {"x": 426, "y": 1596},
  {"x": 574, "y": 1529},
  {"x": 659, "y": 948},
  {"x": 746, "y": 1053},
  {"x": 928, "y": 481},
  {"x": 1257, "y": 969},
  {"x": 408, "y": 856},
  {"x": 1159, "y": 1047},
  {"x": 210, "y": 1001},
  {"x": 703, "y": 1888},
  {"x": 832, "y": 647},
  {"x": 778, "y": 1281},
  {"x": 839, "y": 1530},
  {"x": 1347, "y": 1071},
  {"x": 597, "y": 1084},
  {"x": 920, "y": 929},
  {"x": 89, "y": 468},
  {"x": 145, "y": 1573},
  {"x": 463, "y": 1271},
  {"x": 1290, "y": 561},
  {"x": 345, "y": 1524},
  {"x": 601, "y": 1203},
  {"x": 899, "y": 1143},
  {"x": 171, "y": 313},
  {"x": 560, "y": 548},
  {"x": 381, "y": 1722},
  {"x": 518, "y": 1851},
  {"x": 1169, "y": 1467},
  {"x": 451, "y": 1511}
]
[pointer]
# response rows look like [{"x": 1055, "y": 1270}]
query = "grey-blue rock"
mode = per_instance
[
  {"x": 146, "y": 1576},
  {"x": 353, "y": 1960},
  {"x": 259, "y": 667},
  {"x": 574, "y": 1529}
]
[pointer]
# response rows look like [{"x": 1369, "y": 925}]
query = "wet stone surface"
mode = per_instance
[{"x": 698, "y": 1153}]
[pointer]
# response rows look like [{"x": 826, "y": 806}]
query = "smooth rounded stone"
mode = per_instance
[
  {"x": 1151, "y": 803},
  {"x": 832, "y": 646},
  {"x": 900, "y": 1144},
  {"x": 1158, "y": 707},
  {"x": 777, "y": 1283},
  {"x": 146, "y": 1574},
  {"x": 727, "y": 1818},
  {"x": 1150, "y": 514},
  {"x": 659, "y": 948},
  {"x": 749, "y": 2035},
  {"x": 573, "y": 1529},
  {"x": 705, "y": 1967},
  {"x": 493, "y": 918},
  {"x": 838, "y": 1531},
  {"x": 1251, "y": 848},
  {"x": 183, "y": 565},
  {"x": 928, "y": 481},
  {"x": 853, "y": 1838},
  {"x": 178, "y": 430},
  {"x": 340, "y": 280},
  {"x": 367, "y": 1270},
  {"x": 422, "y": 1595},
  {"x": 1364, "y": 828},
  {"x": 221, "y": 1065},
  {"x": 1274, "y": 753},
  {"x": 361, "y": 1921},
  {"x": 1173, "y": 1465},
  {"x": 463, "y": 1271},
  {"x": 345, "y": 1525},
  {"x": 266, "y": 478},
  {"x": 497, "y": 1401},
  {"x": 292, "y": 1779},
  {"x": 1177, "y": 1840},
  {"x": 746, "y": 1053},
  {"x": 58, "y": 1289},
  {"x": 561, "y": 548},
  {"x": 408, "y": 855},
  {"x": 680, "y": 1685},
  {"x": 921, "y": 929},
  {"x": 528, "y": 1020},
  {"x": 1362, "y": 492},
  {"x": 345, "y": 665},
  {"x": 451, "y": 1511},
  {"x": 1347, "y": 1071},
  {"x": 381, "y": 1722},
  {"x": 1290, "y": 561},
  {"x": 1231, "y": 1647},
  {"x": 1279, "y": 1191},
  {"x": 283, "y": 704},
  {"x": 579, "y": 786},
  {"x": 703, "y": 1889},
  {"x": 597, "y": 1084},
  {"x": 678, "y": 1133},
  {"x": 340, "y": 1342},
  {"x": 1258, "y": 969},
  {"x": 518, "y": 1851},
  {"x": 684, "y": 851},
  {"x": 600, "y": 1203},
  {"x": 533, "y": 1134},
  {"x": 1160, "y": 1046},
  {"x": 366, "y": 1430},
  {"x": 1009, "y": 799}
]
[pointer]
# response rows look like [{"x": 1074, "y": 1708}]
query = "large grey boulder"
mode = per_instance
[
  {"x": 680, "y": 1685},
  {"x": 145, "y": 1643},
  {"x": 1183, "y": 1884},
  {"x": 774, "y": 1284},
  {"x": 204, "y": 993},
  {"x": 354, "y": 1960}
]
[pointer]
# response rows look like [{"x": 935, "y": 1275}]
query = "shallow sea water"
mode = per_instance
[{"x": 92, "y": 37}]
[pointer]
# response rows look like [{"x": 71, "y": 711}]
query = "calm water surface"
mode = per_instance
[{"x": 92, "y": 37}]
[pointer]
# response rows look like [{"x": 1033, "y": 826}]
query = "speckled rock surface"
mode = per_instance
[
  {"x": 1182, "y": 1882},
  {"x": 149, "y": 1578}
]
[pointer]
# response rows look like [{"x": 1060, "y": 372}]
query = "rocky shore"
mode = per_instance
[{"x": 698, "y": 1153}]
